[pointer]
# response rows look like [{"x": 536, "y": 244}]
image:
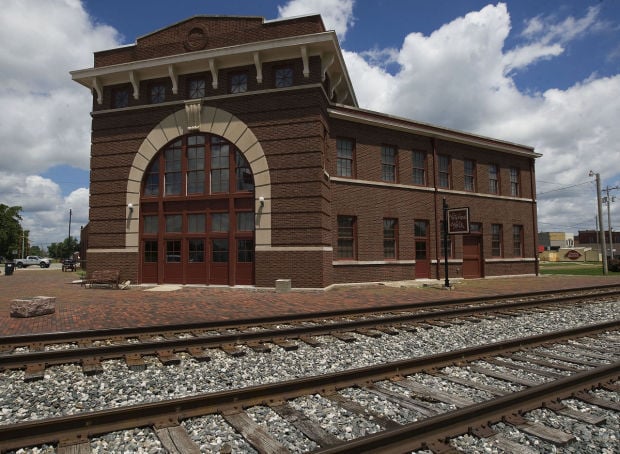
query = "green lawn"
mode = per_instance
[{"x": 573, "y": 268}]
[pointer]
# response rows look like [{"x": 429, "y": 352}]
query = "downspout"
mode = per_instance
[
  {"x": 534, "y": 213},
  {"x": 437, "y": 224}
]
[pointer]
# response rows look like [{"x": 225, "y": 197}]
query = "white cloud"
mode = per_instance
[
  {"x": 44, "y": 120},
  {"x": 460, "y": 76},
  {"x": 337, "y": 14}
]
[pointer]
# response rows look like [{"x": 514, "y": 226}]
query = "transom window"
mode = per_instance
[
  {"x": 239, "y": 82},
  {"x": 196, "y": 165},
  {"x": 284, "y": 77},
  {"x": 388, "y": 163}
]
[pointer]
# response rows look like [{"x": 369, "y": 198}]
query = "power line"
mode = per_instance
[{"x": 563, "y": 188}]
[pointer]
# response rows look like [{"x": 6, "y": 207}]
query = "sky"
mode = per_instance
[{"x": 540, "y": 73}]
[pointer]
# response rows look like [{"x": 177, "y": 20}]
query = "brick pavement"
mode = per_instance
[{"x": 80, "y": 308}]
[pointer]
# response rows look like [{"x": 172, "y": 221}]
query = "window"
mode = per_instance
[
  {"x": 172, "y": 175},
  {"x": 174, "y": 223},
  {"x": 344, "y": 162},
  {"x": 493, "y": 179},
  {"x": 196, "y": 251},
  {"x": 157, "y": 93},
  {"x": 390, "y": 238},
  {"x": 173, "y": 251},
  {"x": 196, "y": 223},
  {"x": 245, "y": 179},
  {"x": 197, "y": 88},
  {"x": 470, "y": 175},
  {"x": 514, "y": 182},
  {"x": 419, "y": 168},
  {"x": 239, "y": 83},
  {"x": 496, "y": 240},
  {"x": 196, "y": 164},
  {"x": 219, "y": 222},
  {"x": 245, "y": 251},
  {"x": 517, "y": 240},
  {"x": 245, "y": 221},
  {"x": 444, "y": 171},
  {"x": 220, "y": 250},
  {"x": 284, "y": 77},
  {"x": 219, "y": 165},
  {"x": 150, "y": 251},
  {"x": 151, "y": 186},
  {"x": 120, "y": 98},
  {"x": 346, "y": 237},
  {"x": 388, "y": 163},
  {"x": 151, "y": 224}
]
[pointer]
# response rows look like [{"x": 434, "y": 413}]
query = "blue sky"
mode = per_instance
[{"x": 540, "y": 73}]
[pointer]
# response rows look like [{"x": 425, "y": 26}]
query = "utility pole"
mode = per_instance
[
  {"x": 600, "y": 219},
  {"x": 608, "y": 200},
  {"x": 69, "y": 226}
]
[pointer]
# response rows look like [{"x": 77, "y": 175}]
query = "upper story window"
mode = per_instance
[
  {"x": 284, "y": 77},
  {"x": 389, "y": 160},
  {"x": 493, "y": 179},
  {"x": 515, "y": 189},
  {"x": 444, "y": 171},
  {"x": 239, "y": 82},
  {"x": 469, "y": 175},
  {"x": 345, "y": 158},
  {"x": 120, "y": 98},
  {"x": 195, "y": 165},
  {"x": 419, "y": 168},
  {"x": 157, "y": 93},
  {"x": 197, "y": 88}
]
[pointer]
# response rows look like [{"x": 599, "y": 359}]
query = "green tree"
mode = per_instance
[
  {"x": 10, "y": 229},
  {"x": 64, "y": 249}
]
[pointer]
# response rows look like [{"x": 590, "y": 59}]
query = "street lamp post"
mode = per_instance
[{"x": 600, "y": 219}]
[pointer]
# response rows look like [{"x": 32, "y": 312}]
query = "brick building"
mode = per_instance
[{"x": 231, "y": 150}]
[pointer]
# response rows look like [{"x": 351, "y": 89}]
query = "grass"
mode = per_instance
[{"x": 572, "y": 268}]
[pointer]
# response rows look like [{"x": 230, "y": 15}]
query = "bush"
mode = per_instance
[{"x": 614, "y": 265}]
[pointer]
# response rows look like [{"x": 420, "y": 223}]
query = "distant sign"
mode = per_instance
[
  {"x": 458, "y": 220},
  {"x": 572, "y": 254}
]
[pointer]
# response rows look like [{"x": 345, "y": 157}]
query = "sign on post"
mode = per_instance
[{"x": 458, "y": 220}]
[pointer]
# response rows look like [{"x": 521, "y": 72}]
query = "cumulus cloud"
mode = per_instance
[
  {"x": 337, "y": 14},
  {"x": 44, "y": 120},
  {"x": 460, "y": 76}
]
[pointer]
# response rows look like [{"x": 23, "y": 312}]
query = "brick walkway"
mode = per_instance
[{"x": 80, "y": 308}]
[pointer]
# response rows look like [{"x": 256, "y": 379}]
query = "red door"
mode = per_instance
[
  {"x": 422, "y": 253},
  {"x": 472, "y": 256}
]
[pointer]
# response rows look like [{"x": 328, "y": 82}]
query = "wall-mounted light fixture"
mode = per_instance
[
  {"x": 261, "y": 199},
  {"x": 130, "y": 206}
]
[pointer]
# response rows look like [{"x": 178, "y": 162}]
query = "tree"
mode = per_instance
[
  {"x": 64, "y": 249},
  {"x": 10, "y": 229}
]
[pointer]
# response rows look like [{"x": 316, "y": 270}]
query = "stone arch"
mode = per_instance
[{"x": 208, "y": 120}]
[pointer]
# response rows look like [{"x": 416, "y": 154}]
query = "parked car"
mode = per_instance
[{"x": 32, "y": 260}]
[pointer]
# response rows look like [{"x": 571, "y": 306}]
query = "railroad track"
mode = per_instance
[
  {"x": 566, "y": 364},
  {"x": 34, "y": 353}
]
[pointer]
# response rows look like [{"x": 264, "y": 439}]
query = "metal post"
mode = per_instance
[
  {"x": 69, "y": 225},
  {"x": 600, "y": 220},
  {"x": 445, "y": 242}
]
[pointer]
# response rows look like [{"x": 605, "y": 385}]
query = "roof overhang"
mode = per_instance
[
  {"x": 323, "y": 44},
  {"x": 381, "y": 120}
]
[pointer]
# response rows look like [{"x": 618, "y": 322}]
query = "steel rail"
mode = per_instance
[
  {"x": 69, "y": 336},
  {"x": 76, "y": 355},
  {"x": 76, "y": 428}
]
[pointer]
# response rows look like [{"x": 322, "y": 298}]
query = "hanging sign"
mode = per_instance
[{"x": 458, "y": 220}]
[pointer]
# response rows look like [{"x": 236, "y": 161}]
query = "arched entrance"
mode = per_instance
[
  {"x": 197, "y": 222},
  {"x": 211, "y": 149}
]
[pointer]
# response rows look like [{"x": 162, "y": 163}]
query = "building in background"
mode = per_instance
[{"x": 232, "y": 151}]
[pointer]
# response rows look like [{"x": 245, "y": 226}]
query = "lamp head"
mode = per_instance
[
  {"x": 591, "y": 174},
  {"x": 130, "y": 206}
]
